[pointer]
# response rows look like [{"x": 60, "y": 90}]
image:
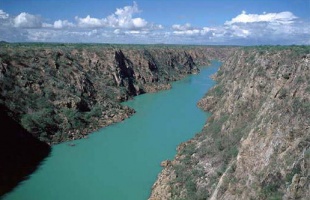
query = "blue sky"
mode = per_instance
[{"x": 225, "y": 22}]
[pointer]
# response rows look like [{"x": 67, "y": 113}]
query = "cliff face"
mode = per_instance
[
  {"x": 256, "y": 143},
  {"x": 20, "y": 152},
  {"x": 64, "y": 92}
]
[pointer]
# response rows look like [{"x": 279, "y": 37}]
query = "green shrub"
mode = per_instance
[
  {"x": 94, "y": 112},
  {"x": 301, "y": 106},
  {"x": 219, "y": 73},
  {"x": 308, "y": 89},
  {"x": 74, "y": 118},
  {"x": 271, "y": 192},
  {"x": 289, "y": 176},
  {"x": 39, "y": 122},
  {"x": 218, "y": 90},
  {"x": 307, "y": 154}
]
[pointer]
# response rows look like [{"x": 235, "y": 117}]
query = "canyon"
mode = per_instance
[
  {"x": 63, "y": 92},
  {"x": 52, "y": 93},
  {"x": 255, "y": 145}
]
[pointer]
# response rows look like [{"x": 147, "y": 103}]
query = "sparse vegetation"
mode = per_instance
[
  {"x": 77, "y": 88},
  {"x": 263, "y": 119},
  {"x": 270, "y": 192}
]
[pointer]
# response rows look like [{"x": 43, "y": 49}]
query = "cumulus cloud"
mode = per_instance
[
  {"x": 139, "y": 22},
  {"x": 184, "y": 27},
  {"x": 47, "y": 25},
  {"x": 89, "y": 22},
  {"x": 123, "y": 23},
  {"x": 3, "y": 15},
  {"x": 59, "y": 24},
  {"x": 274, "y": 26},
  {"x": 25, "y": 20},
  {"x": 62, "y": 24},
  {"x": 267, "y": 28},
  {"x": 5, "y": 20},
  {"x": 121, "y": 18},
  {"x": 281, "y": 18},
  {"x": 124, "y": 26},
  {"x": 41, "y": 35},
  {"x": 117, "y": 32},
  {"x": 207, "y": 30},
  {"x": 188, "y": 32},
  {"x": 237, "y": 31}
]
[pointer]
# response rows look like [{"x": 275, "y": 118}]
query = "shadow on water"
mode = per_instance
[{"x": 20, "y": 152}]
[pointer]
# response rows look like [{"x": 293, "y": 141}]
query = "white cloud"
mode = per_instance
[
  {"x": 123, "y": 18},
  {"x": 47, "y": 25},
  {"x": 117, "y": 31},
  {"x": 59, "y": 24},
  {"x": 240, "y": 32},
  {"x": 41, "y": 36},
  {"x": 123, "y": 26},
  {"x": 3, "y": 15},
  {"x": 207, "y": 30},
  {"x": 188, "y": 32},
  {"x": 281, "y": 18},
  {"x": 133, "y": 32},
  {"x": 137, "y": 32},
  {"x": 25, "y": 20},
  {"x": 89, "y": 22},
  {"x": 159, "y": 26},
  {"x": 139, "y": 23},
  {"x": 268, "y": 28},
  {"x": 184, "y": 27},
  {"x": 5, "y": 20},
  {"x": 127, "y": 10}
]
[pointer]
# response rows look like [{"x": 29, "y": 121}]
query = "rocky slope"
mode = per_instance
[
  {"x": 20, "y": 152},
  {"x": 256, "y": 143},
  {"x": 63, "y": 92}
]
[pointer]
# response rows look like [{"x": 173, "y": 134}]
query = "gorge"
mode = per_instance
[
  {"x": 254, "y": 145},
  {"x": 122, "y": 161}
]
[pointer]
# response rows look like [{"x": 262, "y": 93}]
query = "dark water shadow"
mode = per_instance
[{"x": 20, "y": 153}]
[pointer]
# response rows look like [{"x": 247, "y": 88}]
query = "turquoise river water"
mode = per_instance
[{"x": 122, "y": 161}]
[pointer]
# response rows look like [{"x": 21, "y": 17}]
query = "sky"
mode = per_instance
[{"x": 211, "y": 22}]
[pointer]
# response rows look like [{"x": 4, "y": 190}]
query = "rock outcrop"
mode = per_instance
[
  {"x": 56, "y": 93},
  {"x": 63, "y": 92},
  {"x": 20, "y": 152},
  {"x": 254, "y": 146},
  {"x": 256, "y": 143}
]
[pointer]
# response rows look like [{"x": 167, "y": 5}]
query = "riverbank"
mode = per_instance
[
  {"x": 256, "y": 142},
  {"x": 122, "y": 161},
  {"x": 63, "y": 92}
]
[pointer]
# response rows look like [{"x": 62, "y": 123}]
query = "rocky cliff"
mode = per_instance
[
  {"x": 63, "y": 92},
  {"x": 20, "y": 152},
  {"x": 256, "y": 143}
]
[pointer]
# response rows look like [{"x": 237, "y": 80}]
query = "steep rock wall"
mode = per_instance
[
  {"x": 256, "y": 143},
  {"x": 63, "y": 92},
  {"x": 20, "y": 152}
]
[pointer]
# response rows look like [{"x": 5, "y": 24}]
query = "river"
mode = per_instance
[{"x": 122, "y": 161}]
